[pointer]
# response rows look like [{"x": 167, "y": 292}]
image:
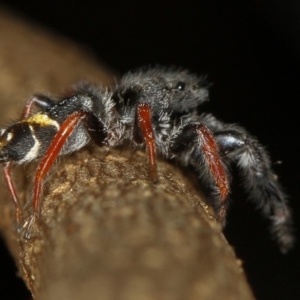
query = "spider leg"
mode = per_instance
[
  {"x": 12, "y": 189},
  {"x": 143, "y": 129},
  {"x": 53, "y": 151},
  {"x": 50, "y": 156},
  {"x": 238, "y": 146},
  {"x": 43, "y": 102},
  {"x": 196, "y": 145},
  {"x": 39, "y": 100}
]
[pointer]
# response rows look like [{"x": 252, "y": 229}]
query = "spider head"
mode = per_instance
[
  {"x": 178, "y": 90},
  {"x": 185, "y": 91}
]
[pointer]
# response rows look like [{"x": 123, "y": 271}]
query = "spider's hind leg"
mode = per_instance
[
  {"x": 7, "y": 169},
  {"x": 95, "y": 128},
  {"x": 238, "y": 146},
  {"x": 40, "y": 100},
  {"x": 97, "y": 131}
]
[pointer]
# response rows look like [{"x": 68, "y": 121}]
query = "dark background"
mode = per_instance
[{"x": 250, "y": 50}]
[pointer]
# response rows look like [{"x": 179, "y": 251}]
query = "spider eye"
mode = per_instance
[{"x": 180, "y": 86}]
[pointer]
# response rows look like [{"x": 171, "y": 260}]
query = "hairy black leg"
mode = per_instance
[
  {"x": 196, "y": 145},
  {"x": 238, "y": 146},
  {"x": 39, "y": 100},
  {"x": 96, "y": 129}
]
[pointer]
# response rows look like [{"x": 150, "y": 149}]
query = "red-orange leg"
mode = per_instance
[
  {"x": 215, "y": 165},
  {"x": 212, "y": 157},
  {"x": 198, "y": 135},
  {"x": 53, "y": 151},
  {"x": 12, "y": 189},
  {"x": 144, "y": 123}
]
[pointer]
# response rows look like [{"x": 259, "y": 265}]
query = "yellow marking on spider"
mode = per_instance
[{"x": 42, "y": 120}]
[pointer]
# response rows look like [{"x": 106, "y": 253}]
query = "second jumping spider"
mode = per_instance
[{"x": 157, "y": 108}]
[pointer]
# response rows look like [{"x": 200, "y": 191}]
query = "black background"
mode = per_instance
[{"x": 250, "y": 50}]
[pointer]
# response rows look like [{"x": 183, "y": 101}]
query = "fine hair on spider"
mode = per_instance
[{"x": 157, "y": 108}]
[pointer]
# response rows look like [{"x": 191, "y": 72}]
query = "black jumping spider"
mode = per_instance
[{"x": 157, "y": 108}]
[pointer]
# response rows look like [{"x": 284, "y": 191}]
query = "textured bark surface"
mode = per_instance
[{"x": 106, "y": 232}]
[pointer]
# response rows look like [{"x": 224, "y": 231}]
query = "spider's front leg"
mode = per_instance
[
  {"x": 143, "y": 132},
  {"x": 238, "y": 146},
  {"x": 195, "y": 145}
]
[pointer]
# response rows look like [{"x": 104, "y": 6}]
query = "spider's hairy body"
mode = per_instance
[{"x": 159, "y": 109}]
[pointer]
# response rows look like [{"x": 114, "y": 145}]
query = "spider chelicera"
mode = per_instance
[{"x": 157, "y": 108}]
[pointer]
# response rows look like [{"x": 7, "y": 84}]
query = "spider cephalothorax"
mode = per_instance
[{"x": 159, "y": 109}]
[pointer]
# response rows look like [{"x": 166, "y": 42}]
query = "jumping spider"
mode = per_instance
[{"x": 156, "y": 108}]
